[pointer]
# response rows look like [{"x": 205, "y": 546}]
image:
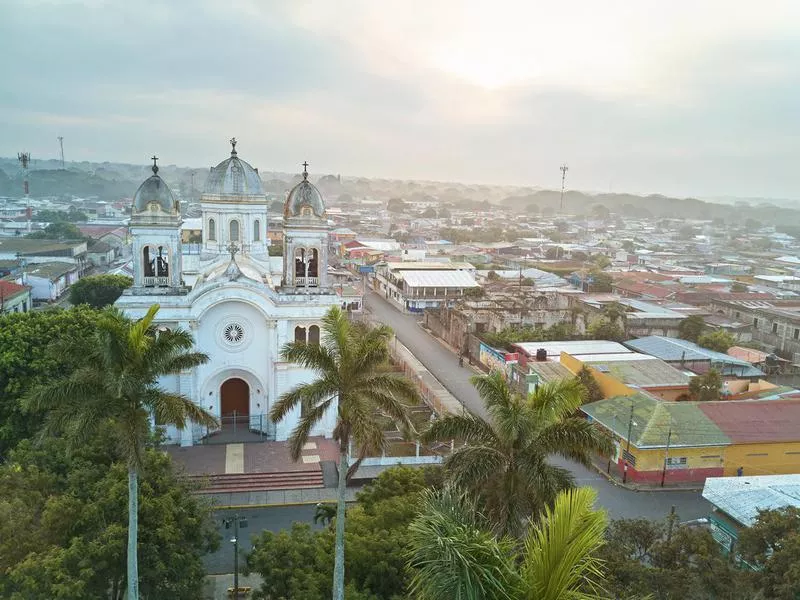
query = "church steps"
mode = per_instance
[{"x": 249, "y": 482}]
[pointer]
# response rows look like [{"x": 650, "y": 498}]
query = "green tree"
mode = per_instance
[
  {"x": 739, "y": 287},
  {"x": 58, "y": 231},
  {"x": 628, "y": 246},
  {"x": 589, "y": 383},
  {"x": 772, "y": 546},
  {"x": 554, "y": 253},
  {"x": 116, "y": 387},
  {"x": 719, "y": 340},
  {"x": 351, "y": 376},
  {"x": 691, "y": 328},
  {"x": 396, "y": 205},
  {"x": 299, "y": 563},
  {"x": 429, "y": 213},
  {"x": 99, "y": 291},
  {"x": 503, "y": 461},
  {"x": 665, "y": 561},
  {"x": 601, "y": 261},
  {"x": 63, "y": 524},
  {"x": 32, "y": 353},
  {"x": 600, "y": 282},
  {"x": 604, "y": 329},
  {"x": 705, "y": 388},
  {"x": 454, "y": 555}
]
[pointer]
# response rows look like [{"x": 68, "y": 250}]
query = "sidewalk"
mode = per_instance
[
  {"x": 277, "y": 498},
  {"x": 615, "y": 477}
]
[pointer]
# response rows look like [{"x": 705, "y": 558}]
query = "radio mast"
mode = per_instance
[
  {"x": 61, "y": 143},
  {"x": 25, "y": 159}
]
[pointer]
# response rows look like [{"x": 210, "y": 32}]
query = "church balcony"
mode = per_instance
[
  {"x": 307, "y": 281},
  {"x": 156, "y": 281}
]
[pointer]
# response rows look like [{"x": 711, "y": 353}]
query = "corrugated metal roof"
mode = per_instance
[
  {"x": 550, "y": 370},
  {"x": 742, "y": 497},
  {"x": 752, "y": 421},
  {"x": 652, "y": 420},
  {"x": 456, "y": 279},
  {"x": 650, "y": 372},
  {"x": 674, "y": 350}
]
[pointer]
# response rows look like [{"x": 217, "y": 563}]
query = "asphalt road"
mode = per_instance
[{"x": 443, "y": 364}]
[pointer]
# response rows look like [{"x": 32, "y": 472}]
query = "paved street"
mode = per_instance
[{"x": 444, "y": 366}]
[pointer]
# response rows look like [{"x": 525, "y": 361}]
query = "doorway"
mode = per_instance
[{"x": 235, "y": 397}]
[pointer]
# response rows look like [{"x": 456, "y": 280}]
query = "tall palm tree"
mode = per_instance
[
  {"x": 349, "y": 365},
  {"x": 117, "y": 387},
  {"x": 453, "y": 555},
  {"x": 504, "y": 459}
]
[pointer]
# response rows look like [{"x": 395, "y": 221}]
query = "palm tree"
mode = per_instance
[
  {"x": 453, "y": 556},
  {"x": 324, "y": 513},
  {"x": 503, "y": 461},
  {"x": 349, "y": 365},
  {"x": 117, "y": 387}
]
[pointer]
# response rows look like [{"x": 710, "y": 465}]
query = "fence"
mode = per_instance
[{"x": 239, "y": 428}]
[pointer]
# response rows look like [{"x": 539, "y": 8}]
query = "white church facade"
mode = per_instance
[{"x": 240, "y": 305}]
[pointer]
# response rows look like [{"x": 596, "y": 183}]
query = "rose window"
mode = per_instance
[{"x": 234, "y": 333}]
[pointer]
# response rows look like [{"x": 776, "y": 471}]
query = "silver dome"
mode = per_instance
[
  {"x": 304, "y": 194},
  {"x": 234, "y": 177},
  {"x": 153, "y": 190}
]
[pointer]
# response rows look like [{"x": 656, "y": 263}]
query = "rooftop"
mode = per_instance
[
  {"x": 742, "y": 497},
  {"x": 458, "y": 279},
  {"x": 50, "y": 270},
  {"x": 9, "y": 289},
  {"x": 676, "y": 350},
  {"x": 654, "y": 419},
  {"x": 752, "y": 421},
  {"x": 639, "y": 370},
  {"x": 573, "y": 347}
]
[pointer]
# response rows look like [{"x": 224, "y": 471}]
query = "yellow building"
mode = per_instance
[{"x": 689, "y": 441}]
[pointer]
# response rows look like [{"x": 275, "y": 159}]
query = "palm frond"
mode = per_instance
[
  {"x": 493, "y": 389},
  {"x": 465, "y": 427},
  {"x": 472, "y": 467},
  {"x": 309, "y": 356},
  {"x": 559, "y": 560},
  {"x": 452, "y": 555},
  {"x": 300, "y": 434},
  {"x": 176, "y": 409},
  {"x": 575, "y": 439},
  {"x": 309, "y": 393},
  {"x": 558, "y": 399}
]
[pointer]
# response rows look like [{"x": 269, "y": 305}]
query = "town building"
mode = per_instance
[
  {"x": 736, "y": 502},
  {"x": 50, "y": 280},
  {"x": 415, "y": 286},
  {"x": 690, "y": 441},
  {"x": 241, "y": 305},
  {"x": 14, "y": 297}
]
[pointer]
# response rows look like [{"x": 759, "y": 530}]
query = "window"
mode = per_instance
[
  {"x": 738, "y": 314},
  {"x": 234, "y": 231},
  {"x": 797, "y": 333},
  {"x": 299, "y": 334},
  {"x": 313, "y": 335},
  {"x": 256, "y": 230},
  {"x": 676, "y": 461},
  {"x": 212, "y": 230},
  {"x": 755, "y": 322},
  {"x": 774, "y": 328}
]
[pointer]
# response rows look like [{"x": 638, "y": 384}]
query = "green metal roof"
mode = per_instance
[{"x": 652, "y": 420}]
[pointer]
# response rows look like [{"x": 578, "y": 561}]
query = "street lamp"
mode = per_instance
[{"x": 236, "y": 522}]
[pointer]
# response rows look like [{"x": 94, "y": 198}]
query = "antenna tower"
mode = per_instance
[
  {"x": 25, "y": 159},
  {"x": 563, "y": 168},
  {"x": 61, "y": 143}
]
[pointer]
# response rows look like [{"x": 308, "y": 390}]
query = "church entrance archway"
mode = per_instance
[{"x": 235, "y": 397}]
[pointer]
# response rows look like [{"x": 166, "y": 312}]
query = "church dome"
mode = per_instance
[
  {"x": 153, "y": 191},
  {"x": 304, "y": 195},
  {"x": 234, "y": 177}
]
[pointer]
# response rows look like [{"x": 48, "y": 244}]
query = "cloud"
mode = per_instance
[{"x": 694, "y": 99}]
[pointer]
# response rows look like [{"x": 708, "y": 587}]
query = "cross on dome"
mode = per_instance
[
  {"x": 233, "y": 249},
  {"x": 233, "y": 146},
  {"x": 154, "y": 158},
  {"x": 305, "y": 169}
]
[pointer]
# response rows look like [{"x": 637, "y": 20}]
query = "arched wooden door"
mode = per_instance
[{"x": 235, "y": 396}]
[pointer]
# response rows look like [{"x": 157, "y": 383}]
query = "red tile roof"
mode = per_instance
[
  {"x": 9, "y": 288},
  {"x": 748, "y": 422}
]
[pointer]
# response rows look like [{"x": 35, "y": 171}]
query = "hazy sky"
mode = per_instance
[{"x": 686, "y": 97}]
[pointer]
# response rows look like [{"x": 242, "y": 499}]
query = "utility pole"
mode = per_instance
[
  {"x": 563, "y": 168},
  {"x": 666, "y": 457},
  {"x": 237, "y": 522},
  {"x": 613, "y": 428},
  {"x": 61, "y": 143},
  {"x": 628, "y": 446}
]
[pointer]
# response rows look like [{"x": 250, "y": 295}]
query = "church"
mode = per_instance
[{"x": 240, "y": 304}]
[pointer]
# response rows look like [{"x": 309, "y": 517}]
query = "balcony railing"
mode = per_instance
[
  {"x": 307, "y": 281},
  {"x": 156, "y": 282}
]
